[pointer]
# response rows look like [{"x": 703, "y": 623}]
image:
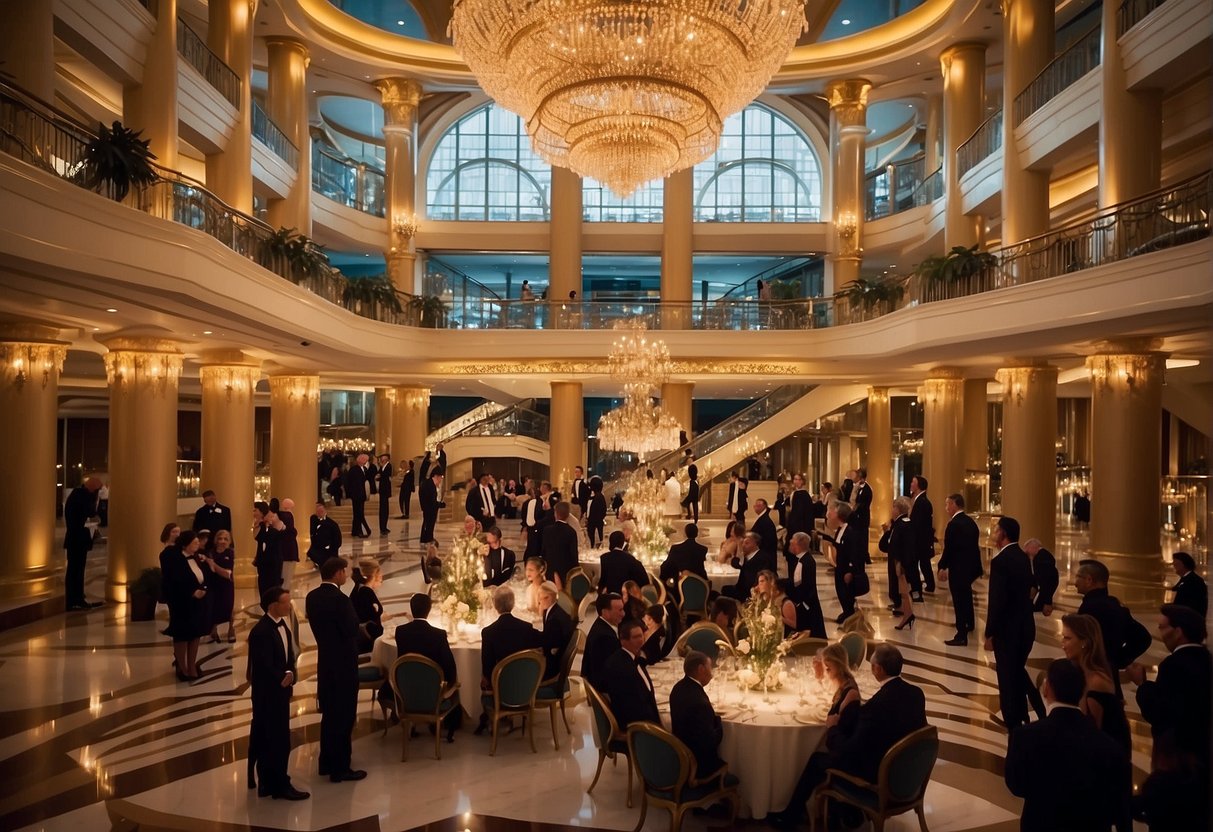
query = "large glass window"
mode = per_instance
[
  {"x": 765, "y": 170},
  {"x": 484, "y": 169},
  {"x": 600, "y": 204}
]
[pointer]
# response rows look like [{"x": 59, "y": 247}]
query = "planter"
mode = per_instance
[{"x": 143, "y": 607}]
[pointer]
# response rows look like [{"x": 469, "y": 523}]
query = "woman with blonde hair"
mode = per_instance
[
  {"x": 733, "y": 534},
  {"x": 1082, "y": 642},
  {"x": 898, "y": 543},
  {"x": 833, "y": 664},
  {"x": 368, "y": 577}
]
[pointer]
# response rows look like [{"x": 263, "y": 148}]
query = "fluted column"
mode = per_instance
[
  {"x": 401, "y": 97},
  {"x": 385, "y": 401},
  {"x": 1029, "y": 438},
  {"x": 1126, "y": 422},
  {"x": 964, "y": 92},
  {"x": 229, "y": 382},
  {"x": 410, "y": 422},
  {"x": 1027, "y": 48},
  {"x": 1130, "y": 128},
  {"x": 676, "y": 249},
  {"x": 564, "y": 262},
  {"x": 142, "y": 375},
  {"x": 31, "y": 359},
  {"x": 567, "y": 433},
  {"x": 229, "y": 173},
  {"x": 287, "y": 103},
  {"x": 677, "y": 400},
  {"x": 880, "y": 453},
  {"x": 848, "y": 133},
  {"x": 294, "y": 437},
  {"x": 975, "y": 438},
  {"x": 27, "y": 42},
  {"x": 942, "y": 398},
  {"x": 151, "y": 106}
]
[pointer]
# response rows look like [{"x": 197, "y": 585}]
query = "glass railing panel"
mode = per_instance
[
  {"x": 268, "y": 133},
  {"x": 461, "y": 423},
  {"x": 1132, "y": 12},
  {"x": 512, "y": 422},
  {"x": 929, "y": 190},
  {"x": 350, "y": 183},
  {"x": 1062, "y": 72},
  {"x": 197, "y": 54},
  {"x": 891, "y": 189},
  {"x": 985, "y": 140}
]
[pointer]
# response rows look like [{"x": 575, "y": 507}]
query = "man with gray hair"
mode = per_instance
[
  {"x": 505, "y": 636},
  {"x": 803, "y": 590},
  {"x": 692, "y": 717},
  {"x": 751, "y": 560},
  {"x": 1124, "y": 637}
]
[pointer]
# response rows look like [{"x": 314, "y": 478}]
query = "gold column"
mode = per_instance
[
  {"x": 1130, "y": 128},
  {"x": 30, "y": 362},
  {"x": 27, "y": 42},
  {"x": 401, "y": 97},
  {"x": 151, "y": 106},
  {"x": 942, "y": 398},
  {"x": 142, "y": 375},
  {"x": 229, "y": 173},
  {"x": 294, "y": 437},
  {"x": 410, "y": 423},
  {"x": 229, "y": 382},
  {"x": 287, "y": 103},
  {"x": 677, "y": 271},
  {"x": 567, "y": 435},
  {"x": 1029, "y": 440},
  {"x": 1027, "y": 48},
  {"x": 677, "y": 400},
  {"x": 848, "y": 133},
  {"x": 385, "y": 400},
  {"x": 933, "y": 130},
  {"x": 880, "y": 453},
  {"x": 564, "y": 261},
  {"x": 964, "y": 91},
  {"x": 1126, "y": 422},
  {"x": 976, "y": 445}
]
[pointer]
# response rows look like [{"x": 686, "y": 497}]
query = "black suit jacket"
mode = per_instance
[
  {"x": 385, "y": 481},
  {"x": 800, "y": 513},
  {"x": 845, "y": 490},
  {"x": 1009, "y": 610},
  {"x": 961, "y": 549},
  {"x": 1192, "y": 591},
  {"x": 849, "y": 552},
  {"x": 499, "y": 566},
  {"x": 213, "y": 518},
  {"x": 81, "y": 504},
  {"x": 893, "y": 712},
  {"x": 1178, "y": 702},
  {"x": 748, "y": 579},
  {"x": 695, "y": 722},
  {"x": 1044, "y": 578},
  {"x": 600, "y": 645},
  {"x": 1124, "y": 638},
  {"x": 557, "y": 632},
  {"x": 427, "y": 496},
  {"x": 581, "y": 493},
  {"x": 764, "y": 527},
  {"x": 335, "y": 628},
  {"x": 558, "y": 548},
  {"x": 809, "y": 616},
  {"x": 355, "y": 484},
  {"x": 1068, "y": 772},
  {"x": 371, "y": 472},
  {"x": 898, "y": 542},
  {"x": 618, "y": 566},
  {"x": 861, "y": 513},
  {"x": 631, "y": 699},
  {"x": 922, "y": 517},
  {"x": 597, "y": 510},
  {"x": 325, "y": 539},
  {"x": 419, "y": 636},
  {"x": 687, "y": 556},
  {"x": 408, "y": 483},
  {"x": 505, "y": 636},
  {"x": 268, "y": 663}
]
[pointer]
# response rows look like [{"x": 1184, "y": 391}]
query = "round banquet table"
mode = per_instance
[{"x": 720, "y": 574}]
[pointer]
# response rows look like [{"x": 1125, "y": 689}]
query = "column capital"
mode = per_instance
[
  {"x": 1125, "y": 372},
  {"x": 400, "y": 98},
  {"x": 945, "y": 373},
  {"x": 132, "y": 360},
  {"x": 947, "y": 56},
  {"x": 878, "y": 394},
  {"x": 290, "y": 44},
  {"x": 848, "y": 100},
  {"x": 1016, "y": 379},
  {"x": 300, "y": 387},
  {"x": 412, "y": 396},
  {"x": 21, "y": 361}
]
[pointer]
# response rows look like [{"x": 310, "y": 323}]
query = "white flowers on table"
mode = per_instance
[{"x": 743, "y": 647}]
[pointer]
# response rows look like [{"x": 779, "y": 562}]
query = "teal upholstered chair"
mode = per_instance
[
  {"x": 704, "y": 637},
  {"x": 422, "y": 695},
  {"x": 553, "y": 693},
  {"x": 693, "y": 594},
  {"x": 856, "y": 646},
  {"x": 668, "y": 776},
  {"x": 578, "y": 585},
  {"x": 611, "y": 742},
  {"x": 515, "y": 681}
]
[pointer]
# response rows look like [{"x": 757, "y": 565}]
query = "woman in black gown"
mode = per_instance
[
  {"x": 221, "y": 562},
  {"x": 368, "y": 577},
  {"x": 185, "y": 589}
]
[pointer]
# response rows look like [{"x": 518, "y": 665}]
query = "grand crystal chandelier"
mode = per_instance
[
  {"x": 639, "y": 426},
  {"x": 625, "y": 92}
]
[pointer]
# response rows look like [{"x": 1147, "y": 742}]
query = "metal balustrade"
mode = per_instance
[
  {"x": 930, "y": 190},
  {"x": 890, "y": 189},
  {"x": 197, "y": 54},
  {"x": 343, "y": 180},
  {"x": 1132, "y": 12},
  {"x": 269, "y": 134},
  {"x": 985, "y": 140},
  {"x": 1061, "y": 73}
]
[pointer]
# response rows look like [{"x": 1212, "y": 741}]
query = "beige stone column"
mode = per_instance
[
  {"x": 229, "y": 173},
  {"x": 385, "y": 401},
  {"x": 934, "y": 133},
  {"x": 677, "y": 274},
  {"x": 1126, "y": 422},
  {"x": 287, "y": 104},
  {"x": 1029, "y": 438},
  {"x": 1130, "y": 129},
  {"x": 401, "y": 97},
  {"x": 294, "y": 437},
  {"x": 410, "y": 422},
  {"x": 31, "y": 359},
  {"x": 229, "y": 383},
  {"x": 151, "y": 106},
  {"x": 676, "y": 400},
  {"x": 27, "y": 42},
  {"x": 942, "y": 398},
  {"x": 964, "y": 91},
  {"x": 142, "y": 375},
  {"x": 1027, "y": 48},
  {"x": 848, "y": 133},
  {"x": 567, "y": 433},
  {"x": 975, "y": 439},
  {"x": 879, "y": 460},
  {"x": 564, "y": 262}
]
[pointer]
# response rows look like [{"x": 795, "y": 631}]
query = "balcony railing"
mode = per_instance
[
  {"x": 1132, "y": 12},
  {"x": 266, "y": 132},
  {"x": 1062, "y": 72},
  {"x": 890, "y": 189},
  {"x": 343, "y": 180},
  {"x": 985, "y": 140},
  {"x": 197, "y": 54},
  {"x": 930, "y": 190}
]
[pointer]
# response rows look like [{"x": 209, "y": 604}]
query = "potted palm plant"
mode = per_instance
[
  {"x": 869, "y": 294},
  {"x": 427, "y": 310},
  {"x": 948, "y": 273},
  {"x": 144, "y": 593},
  {"x": 298, "y": 256},
  {"x": 364, "y": 294},
  {"x": 115, "y": 161}
]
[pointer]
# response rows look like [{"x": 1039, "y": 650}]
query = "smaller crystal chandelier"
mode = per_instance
[{"x": 639, "y": 426}]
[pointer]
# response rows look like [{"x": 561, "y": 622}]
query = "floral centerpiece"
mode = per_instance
[
  {"x": 761, "y": 652},
  {"x": 460, "y": 589}
]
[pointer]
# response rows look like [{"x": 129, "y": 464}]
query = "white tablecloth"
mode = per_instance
[{"x": 721, "y": 575}]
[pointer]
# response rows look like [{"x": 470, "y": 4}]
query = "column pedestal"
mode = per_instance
[{"x": 1029, "y": 440}]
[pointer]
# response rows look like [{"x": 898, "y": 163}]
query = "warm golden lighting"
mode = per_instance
[
  {"x": 158, "y": 370},
  {"x": 297, "y": 389},
  {"x": 640, "y": 426},
  {"x": 24, "y": 360},
  {"x": 625, "y": 92}
]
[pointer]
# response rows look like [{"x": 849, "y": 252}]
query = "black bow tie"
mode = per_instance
[{"x": 282, "y": 623}]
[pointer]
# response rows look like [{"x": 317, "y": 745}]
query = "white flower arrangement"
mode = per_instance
[
  {"x": 743, "y": 647},
  {"x": 460, "y": 586},
  {"x": 764, "y": 646}
]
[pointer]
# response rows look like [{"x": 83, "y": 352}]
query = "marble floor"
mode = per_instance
[{"x": 96, "y": 733}]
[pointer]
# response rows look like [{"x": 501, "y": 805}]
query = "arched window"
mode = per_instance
[
  {"x": 483, "y": 168},
  {"x": 600, "y": 204},
  {"x": 765, "y": 170}
]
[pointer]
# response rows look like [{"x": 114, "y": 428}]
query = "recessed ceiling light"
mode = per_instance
[
  {"x": 846, "y": 21},
  {"x": 207, "y": 332},
  {"x": 96, "y": 329},
  {"x": 111, "y": 310},
  {"x": 399, "y": 22}
]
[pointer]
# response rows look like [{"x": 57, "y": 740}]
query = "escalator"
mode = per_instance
[{"x": 516, "y": 430}]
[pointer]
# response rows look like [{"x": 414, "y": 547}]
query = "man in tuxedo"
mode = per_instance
[
  {"x": 420, "y": 637},
  {"x": 848, "y": 557},
  {"x": 558, "y": 546},
  {"x": 738, "y": 500},
  {"x": 504, "y": 637},
  {"x": 603, "y": 639},
  {"x": 861, "y": 510},
  {"x": 557, "y": 629},
  {"x": 627, "y": 681},
  {"x": 325, "y": 536},
  {"x": 440, "y": 459},
  {"x": 357, "y": 488},
  {"x": 692, "y": 717},
  {"x": 536, "y": 513},
  {"x": 335, "y": 628},
  {"x": 81, "y": 504},
  {"x": 751, "y": 560},
  {"x": 800, "y": 509},
  {"x": 803, "y": 590},
  {"x": 1045, "y": 578},
  {"x": 1067, "y": 770},
  {"x": 271, "y": 674},
  {"x": 1124, "y": 637},
  {"x": 691, "y": 501},
  {"x": 960, "y": 566},
  {"x": 211, "y": 515},
  {"x": 1190, "y": 590},
  {"x": 481, "y": 504},
  {"x": 499, "y": 562},
  {"x": 764, "y": 527},
  {"x": 408, "y": 484},
  {"x": 1010, "y": 628},
  {"x": 580, "y": 495},
  {"x": 384, "y": 477},
  {"x": 617, "y": 565},
  {"x": 895, "y": 711},
  {"x": 688, "y": 556},
  {"x": 427, "y": 496},
  {"x": 922, "y": 519}
]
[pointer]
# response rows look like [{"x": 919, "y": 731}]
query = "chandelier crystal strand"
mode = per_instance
[{"x": 625, "y": 92}]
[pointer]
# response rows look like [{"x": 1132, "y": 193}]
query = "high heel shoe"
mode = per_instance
[{"x": 909, "y": 622}]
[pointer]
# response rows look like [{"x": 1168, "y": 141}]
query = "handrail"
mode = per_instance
[
  {"x": 986, "y": 139},
  {"x": 462, "y": 422},
  {"x": 930, "y": 189},
  {"x": 210, "y": 66},
  {"x": 1132, "y": 12},
  {"x": 906, "y": 178},
  {"x": 768, "y": 274},
  {"x": 269, "y": 134},
  {"x": 344, "y": 180},
  {"x": 485, "y": 290},
  {"x": 1063, "y": 71}
]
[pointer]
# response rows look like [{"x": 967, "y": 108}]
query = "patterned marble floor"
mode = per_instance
[{"x": 96, "y": 732}]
